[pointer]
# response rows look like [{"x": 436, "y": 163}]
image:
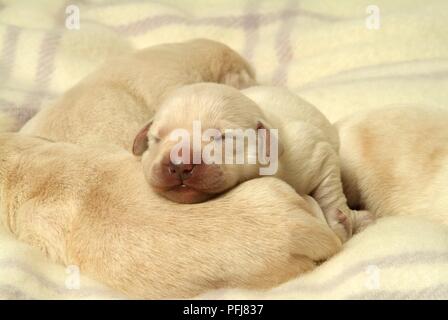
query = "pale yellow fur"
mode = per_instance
[
  {"x": 308, "y": 143},
  {"x": 110, "y": 105},
  {"x": 90, "y": 205},
  {"x": 92, "y": 208},
  {"x": 395, "y": 161}
]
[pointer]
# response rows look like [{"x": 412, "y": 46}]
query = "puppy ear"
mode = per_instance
[
  {"x": 267, "y": 135},
  {"x": 141, "y": 140}
]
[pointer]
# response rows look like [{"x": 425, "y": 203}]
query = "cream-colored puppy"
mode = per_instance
[
  {"x": 93, "y": 208},
  {"x": 306, "y": 146},
  {"x": 395, "y": 161},
  {"x": 111, "y": 104},
  {"x": 109, "y": 107}
]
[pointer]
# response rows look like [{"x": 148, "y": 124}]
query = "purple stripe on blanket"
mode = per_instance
[
  {"x": 47, "y": 55},
  {"x": 43, "y": 74},
  {"x": 250, "y": 22},
  {"x": 8, "y": 54},
  {"x": 283, "y": 47},
  {"x": 45, "y": 69},
  {"x": 142, "y": 26},
  {"x": 251, "y": 26}
]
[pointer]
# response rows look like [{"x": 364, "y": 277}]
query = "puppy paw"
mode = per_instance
[
  {"x": 362, "y": 219},
  {"x": 340, "y": 223},
  {"x": 225, "y": 65},
  {"x": 241, "y": 79}
]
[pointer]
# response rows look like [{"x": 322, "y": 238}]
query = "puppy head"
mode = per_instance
[{"x": 198, "y": 144}]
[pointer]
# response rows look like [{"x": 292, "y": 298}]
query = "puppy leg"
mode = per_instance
[
  {"x": 337, "y": 213},
  {"x": 330, "y": 196},
  {"x": 361, "y": 219},
  {"x": 311, "y": 164}
]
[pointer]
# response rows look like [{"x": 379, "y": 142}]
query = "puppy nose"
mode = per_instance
[{"x": 183, "y": 171}]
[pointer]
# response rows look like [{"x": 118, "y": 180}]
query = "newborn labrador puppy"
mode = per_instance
[
  {"x": 306, "y": 147},
  {"x": 110, "y": 105},
  {"x": 79, "y": 205},
  {"x": 395, "y": 161}
]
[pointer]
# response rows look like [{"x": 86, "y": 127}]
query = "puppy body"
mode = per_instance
[
  {"x": 308, "y": 155},
  {"x": 395, "y": 161},
  {"x": 93, "y": 208},
  {"x": 110, "y": 105},
  {"x": 310, "y": 160},
  {"x": 310, "y": 143}
]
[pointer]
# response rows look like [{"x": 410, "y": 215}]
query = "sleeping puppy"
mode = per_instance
[
  {"x": 304, "y": 151},
  {"x": 395, "y": 161},
  {"x": 110, "y": 105},
  {"x": 79, "y": 205}
]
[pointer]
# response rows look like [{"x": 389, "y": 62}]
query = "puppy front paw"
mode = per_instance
[
  {"x": 235, "y": 71},
  {"x": 345, "y": 224},
  {"x": 241, "y": 79},
  {"x": 340, "y": 223},
  {"x": 220, "y": 63}
]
